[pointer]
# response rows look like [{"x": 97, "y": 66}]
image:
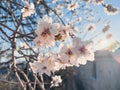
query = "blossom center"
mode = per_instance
[
  {"x": 44, "y": 68},
  {"x": 82, "y": 49},
  {"x": 69, "y": 52},
  {"x": 45, "y": 32}
]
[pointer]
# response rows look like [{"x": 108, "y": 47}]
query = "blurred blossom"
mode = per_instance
[
  {"x": 91, "y": 27},
  {"x": 108, "y": 36},
  {"x": 56, "y": 80},
  {"x": 94, "y": 1},
  {"x": 38, "y": 1},
  {"x": 110, "y": 10},
  {"x": 59, "y": 12},
  {"x": 28, "y": 10},
  {"x": 72, "y": 6},
  {"x": 24, "y": 45},
  {"x": 107, "y": 43},
  {"x": 79, "y": 19},
  {"x": 97, "y": 1},
  {"x": 106, "y": 28},
  {"x": 113, "y": 46},
  {"x": 54, "y": 1},
  {"x": 87, "y": 0}
]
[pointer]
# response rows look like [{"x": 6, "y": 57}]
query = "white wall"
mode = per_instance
[{"x": 102, "y": 74}]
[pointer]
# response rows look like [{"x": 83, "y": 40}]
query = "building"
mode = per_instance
[{"x": 102, "y": 74}]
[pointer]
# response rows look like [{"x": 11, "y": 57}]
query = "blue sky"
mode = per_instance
[
  {"x": 115, "y": 20},
  {"x": 115, "y": 25}
]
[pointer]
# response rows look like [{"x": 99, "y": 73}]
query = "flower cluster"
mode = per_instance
[
  {"x": 71, "y": 49},
  {"x": 73, "y": 55},
  {"x": 49, "y": 32},
  {"x": 45, "y": 65},
  {"x": 78, "y": 53}
]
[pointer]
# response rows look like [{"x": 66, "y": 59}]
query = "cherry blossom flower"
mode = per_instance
[
  {"x": 45, "y": 36},
  {"x": 48, "y": 32},
  {"x": 91, "y": 27},
  {"x": 72, "y": 6},
  {"x": 28, "y": 10},
  {"x": 66, "y": 55},
  {"x": 56, "y": 80},
  {"x": 83, "y": 50},
  {"x": 110, "y": 10},
  {"x": 106, "y": 28},
  {"x": 45, "y": 65}
]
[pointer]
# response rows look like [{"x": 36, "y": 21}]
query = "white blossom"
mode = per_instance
[
  {"x": 66, "y": 54},
  {"x": 28, "y": 10},
  {"x": 84, "y": 50},
  {"x": 45, "y": 36},
  {"x": 56, "y": 80},
  {"x": 45, "y": 65},
  {"x": 49, "y": 32}
]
